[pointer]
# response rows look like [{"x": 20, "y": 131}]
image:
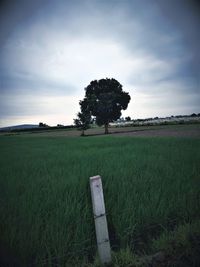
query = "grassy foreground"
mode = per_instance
[{"x": 151, "y": 186}]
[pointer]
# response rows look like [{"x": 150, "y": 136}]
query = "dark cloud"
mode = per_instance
[
  {"x": 25, "y": 83},
  {"x": 184, "y": 16},
  {"x": 13, "y": 14}
]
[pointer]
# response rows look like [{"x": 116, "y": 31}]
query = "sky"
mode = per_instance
[{"x": 50, "y": 50}]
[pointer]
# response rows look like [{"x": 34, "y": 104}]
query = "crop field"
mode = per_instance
[{"x": 151, "y": 185}]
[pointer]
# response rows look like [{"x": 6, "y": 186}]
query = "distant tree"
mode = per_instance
[
  {"x": 128, "y": 118},
  {"x": 41, "y": 124},
  {"x": 83, "y": 120},
  {"x": 105, "y": 99}
]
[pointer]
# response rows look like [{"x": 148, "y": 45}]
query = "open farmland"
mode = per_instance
[{"x": 150, "y": 185}]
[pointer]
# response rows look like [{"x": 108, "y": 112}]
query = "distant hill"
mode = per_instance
[{"x": 19, "y": 127}]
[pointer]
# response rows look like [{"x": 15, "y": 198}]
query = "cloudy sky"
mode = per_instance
[{"x": 50, "y": 50}]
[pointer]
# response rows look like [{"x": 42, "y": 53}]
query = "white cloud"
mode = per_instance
[
  {"x": 75, "y": 60},
  {"x": 164, "y": 98},
  {"x": 51, "y": 110}
]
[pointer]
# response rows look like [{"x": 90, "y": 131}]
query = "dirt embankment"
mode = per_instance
[
  {"x": 192, "y": 130},
  {"x": 164, "y": 132}
]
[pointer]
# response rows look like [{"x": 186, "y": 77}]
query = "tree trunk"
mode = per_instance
[
  {"x": 106, "y": 128},
  {"x": 82, "y": 133}
]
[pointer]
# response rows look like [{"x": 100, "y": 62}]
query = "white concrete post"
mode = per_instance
[{"x": 103, "y": 242}]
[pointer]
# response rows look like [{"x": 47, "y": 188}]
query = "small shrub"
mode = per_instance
[{"x": 181, "y": 246}]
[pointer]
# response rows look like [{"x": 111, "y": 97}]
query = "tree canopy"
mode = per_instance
[
  {"x": 83, "y": 119},
  {"x": 105, "y": 99}
]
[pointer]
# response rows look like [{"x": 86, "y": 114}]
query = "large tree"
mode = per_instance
[{"x": 105, "y": 99}]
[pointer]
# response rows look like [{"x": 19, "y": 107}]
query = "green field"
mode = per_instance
[{"x": 151, "y": 185}]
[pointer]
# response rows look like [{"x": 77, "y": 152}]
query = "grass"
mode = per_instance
[
  {"x": 151, "y": 185},
  {"x": 181, "y": 246}
]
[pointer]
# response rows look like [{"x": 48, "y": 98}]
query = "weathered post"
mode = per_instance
[{"x": 103, "y": 242}]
